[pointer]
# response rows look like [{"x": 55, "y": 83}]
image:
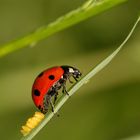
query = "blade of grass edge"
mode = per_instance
[
  {"x": 82, "y": 13},
  {"x": 74, "y": 88}
]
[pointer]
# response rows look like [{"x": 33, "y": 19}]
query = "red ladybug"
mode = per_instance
[{"x": 49, "y": 82}]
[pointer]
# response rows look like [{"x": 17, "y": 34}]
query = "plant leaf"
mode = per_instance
[{"x": 90, "y": 8}]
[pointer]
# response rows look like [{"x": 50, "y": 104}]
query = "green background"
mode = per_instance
[{"x": 107, "y": 107}]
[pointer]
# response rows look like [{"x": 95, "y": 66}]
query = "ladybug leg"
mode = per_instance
[
  {"x": 46, "y": 103},
  {"x": 52, "y": 105},
  {"x": 55, "y": 97},
  {"x": 75, "y": 78},
  {"x": 64, "y": 89},
  {"x": 70, "y": 80}
]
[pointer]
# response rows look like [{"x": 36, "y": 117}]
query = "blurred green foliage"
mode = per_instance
[{"x": 107, "y": 108}]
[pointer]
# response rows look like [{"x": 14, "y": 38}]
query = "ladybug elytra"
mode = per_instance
[{"x": 49, "y": 82}]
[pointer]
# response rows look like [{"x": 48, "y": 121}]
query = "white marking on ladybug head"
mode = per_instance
[{"x": 71, "y": 70}]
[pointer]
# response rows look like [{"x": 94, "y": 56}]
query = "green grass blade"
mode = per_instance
[
  {"x": 73, "y": 89},
  {"x": 90, "y": 8}
]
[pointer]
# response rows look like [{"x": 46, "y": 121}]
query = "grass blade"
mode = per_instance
[
  {"x": 73, "y": 89},
  {"x": 90, "y": 8}
]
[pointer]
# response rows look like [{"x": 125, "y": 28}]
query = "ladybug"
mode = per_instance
[{"x": 49, "y": 82}]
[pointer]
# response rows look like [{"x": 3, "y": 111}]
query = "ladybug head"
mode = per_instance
[
  {"x": 75, "y": 72},
  {"x": 72, "y": 71}
]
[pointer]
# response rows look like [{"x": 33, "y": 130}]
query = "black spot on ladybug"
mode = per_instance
[
  {"x": 36, "y": 92},
  {"x": 51, "y": 77},
  {"x": 40, "y": 74}
]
